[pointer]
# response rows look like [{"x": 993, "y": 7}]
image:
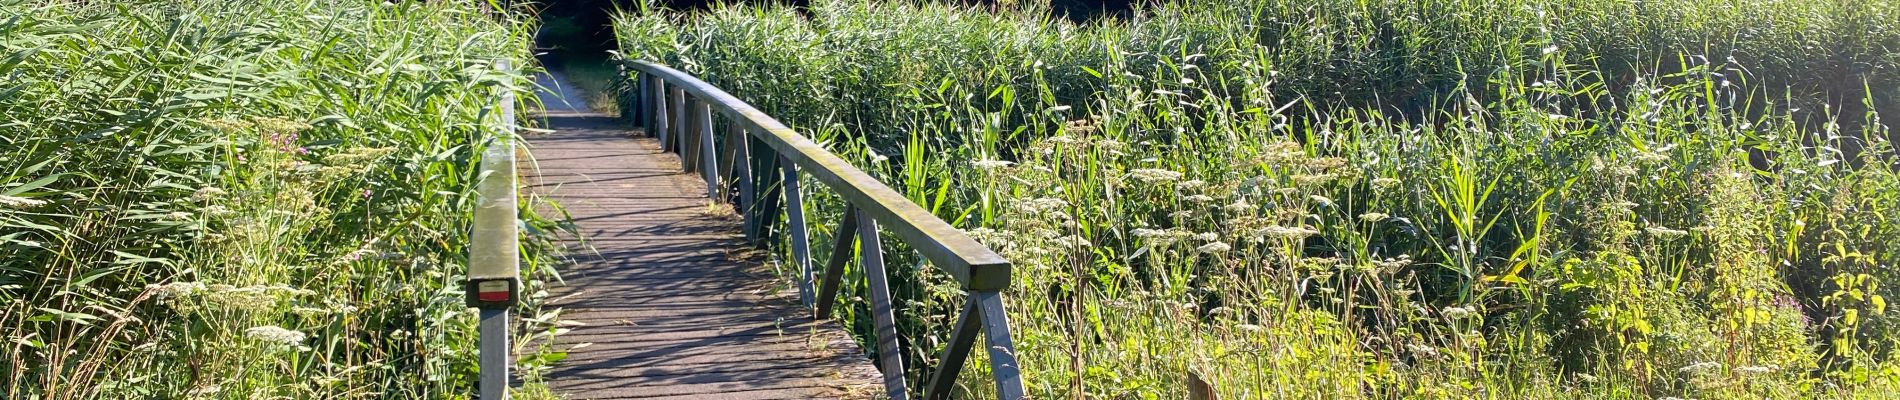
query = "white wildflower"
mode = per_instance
[
  {"x": 1385, "y": 183},
  {"x": 207, "y": 193},
  {"x": 178, "y": 290},
  {"x": 1289, "y": 233},
  {"x": 1042, "y": 205},
  {"x": 1214, "y": 248},
  {"x": 1458, "y": 312},
  {"x": 1373, "y": 217},
  {"x": 1394, "y": 263},
  {"x": 20, "y": 202},
  {"x": 1240, "y": 206},
  {"x": 986, "y": 235},
  {"x": 1199, "y": 198},
  {"x": 1665, "y": 232},
  {"x": 1155, "y": 175},
  {"x": 275, "y": 335},
  {"x": 1207, "y": 236},
  {"x": 1757, "y": 369},
  {"x": 1422, "y": 351},
  {"x": 310, "y": 311},
  {"x": 991, "y": 164}
]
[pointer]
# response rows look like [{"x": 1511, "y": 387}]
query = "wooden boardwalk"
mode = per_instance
[{"x": 672, "y": 305}]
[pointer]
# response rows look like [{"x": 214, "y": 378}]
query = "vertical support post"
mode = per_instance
[
  {"x": 742, "y": 172},
  {"x": 1003, "y": 366},
  {"x": 795, "y": 217},
  {"x": 662, "y": 112},
  {"x": 676, "y": 117},
  {"x": 494, "y": 258},
  {"x": 955, "y": 353},
  {"x": 770, "y": 189},
  {"x": 871, "y": 254},
  {"x": 834, "y": 266},
  {"x": 650, "y": 87},
  {"x": 732, "y": 142},
  {"x": 689, "y": 138},
  {"x": 630, "y": 101},
  {"x": 494, "y": 353},
  {"x": 708, "y": 151}
]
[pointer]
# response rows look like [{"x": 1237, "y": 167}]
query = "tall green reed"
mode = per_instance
[{"x": 219, "y": 199}]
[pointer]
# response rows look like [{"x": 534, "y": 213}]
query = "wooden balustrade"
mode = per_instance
[{"x": 679, "y": 110}]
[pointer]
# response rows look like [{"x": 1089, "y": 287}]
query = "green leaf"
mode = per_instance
[
  {"x": 36, "y": 184},
  {"x": 52, "y": 314}
]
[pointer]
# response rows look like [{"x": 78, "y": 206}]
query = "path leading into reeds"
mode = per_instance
[{"x": 671, "y": 303}]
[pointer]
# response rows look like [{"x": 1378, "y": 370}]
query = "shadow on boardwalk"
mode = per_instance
[{"x": 670, "y": 302}]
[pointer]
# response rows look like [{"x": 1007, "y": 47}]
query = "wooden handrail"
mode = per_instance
[
  {"x": 949, "y": 249},
  {"x": 677, "y": 108}
]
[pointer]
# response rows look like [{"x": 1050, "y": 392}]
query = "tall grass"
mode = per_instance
[
  {"x": 245, "y": 199},
  {"x": 1327, "y": 199}
]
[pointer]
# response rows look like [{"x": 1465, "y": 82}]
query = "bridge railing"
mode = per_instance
[{"x": 763, "y": 160}]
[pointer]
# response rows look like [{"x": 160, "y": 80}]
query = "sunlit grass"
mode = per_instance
[{"x": 1349, "y": 199}]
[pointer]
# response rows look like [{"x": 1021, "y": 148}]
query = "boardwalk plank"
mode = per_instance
[{"x": 667, "y": 301}]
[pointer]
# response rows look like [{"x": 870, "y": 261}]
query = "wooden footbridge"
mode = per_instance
[{"x": 672, "y": 299}]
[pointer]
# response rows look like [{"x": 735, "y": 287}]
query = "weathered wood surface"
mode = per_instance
[{"x": 672, "y": 304}]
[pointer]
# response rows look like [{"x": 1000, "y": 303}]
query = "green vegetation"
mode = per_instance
[
  {"x": 246, "y": 199},
  {"x": 1370, "y": 199}
]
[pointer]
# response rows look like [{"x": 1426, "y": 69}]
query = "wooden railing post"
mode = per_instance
[
  {"x": 650, "y": 102},
  {"x": 659, "y": 110},
  {"x": 769, "y": 193},
  {"x": 795, "y": 223},
  {"x": 631, "y": 100},
  {"x": 883, "y": 318},
  {"x": 689, "y": 137},
  {"x": 742, "y": 172},
  {"x": 675, "y": 99},
  {"x": 834, "y": 266},
  {"x": 1004, "y": 368},
  {"x": 955, "y": 353},
  {"x": 708, "y": 159},
  {"x": 732, "y": 142}
]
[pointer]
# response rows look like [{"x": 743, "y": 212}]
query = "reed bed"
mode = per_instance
[
  {"x": 214, "y": 199},
  {"x": 1369, "y": 199}
]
